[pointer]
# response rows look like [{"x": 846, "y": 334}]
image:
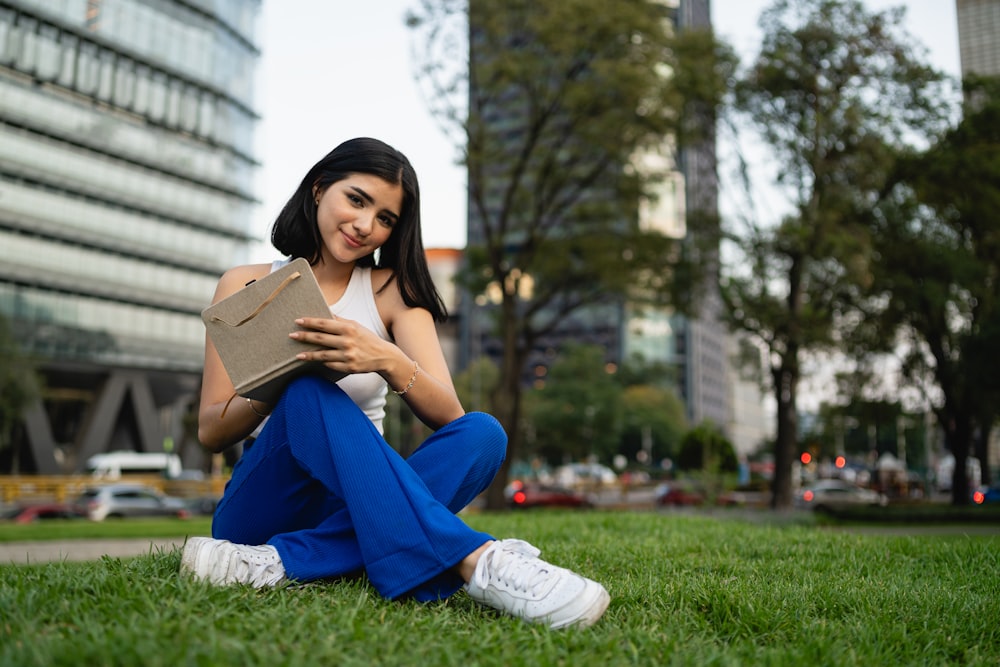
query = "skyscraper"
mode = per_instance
[
  {"x": 979, "y": 36},
  {"x": 126, "y": 171}
]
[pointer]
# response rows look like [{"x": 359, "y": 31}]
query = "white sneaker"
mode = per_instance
[
  {"x": 510, "y": 577},
  {"x": 222, "y": 562}
]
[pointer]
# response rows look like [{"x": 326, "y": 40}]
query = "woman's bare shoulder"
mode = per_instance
[
  {"x": 388, "y": 298},
  {"x": 239, "y": 276},
  {"x": 386, "y": 287}
]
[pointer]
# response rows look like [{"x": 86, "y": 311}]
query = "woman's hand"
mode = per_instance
[{"x": 347, "y": 346}]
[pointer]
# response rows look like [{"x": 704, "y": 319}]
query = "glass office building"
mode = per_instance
[
  {"x": 126, "y": 189},
  {"x": 979, "y": 36}
]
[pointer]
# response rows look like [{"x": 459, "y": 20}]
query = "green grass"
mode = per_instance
[
  {"x": 110, "y": 529},
  {"x": 686, "y": 590}
]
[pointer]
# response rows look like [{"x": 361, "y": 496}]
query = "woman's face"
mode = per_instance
[{"x": 356, "y": 215}]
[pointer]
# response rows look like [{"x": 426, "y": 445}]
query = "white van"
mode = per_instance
[{"x": 113, "y": 465}]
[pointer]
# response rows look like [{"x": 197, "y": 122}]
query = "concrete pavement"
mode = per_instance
[{"x": 47, "y": 551}]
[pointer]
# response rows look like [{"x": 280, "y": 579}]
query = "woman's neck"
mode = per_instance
[{"x": 333, "y": 278}]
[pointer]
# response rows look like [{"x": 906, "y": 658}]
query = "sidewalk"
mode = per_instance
[{"x": 24, "y": 553}]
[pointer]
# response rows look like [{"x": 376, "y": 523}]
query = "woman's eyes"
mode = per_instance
[{"x": 387, "y": 220}]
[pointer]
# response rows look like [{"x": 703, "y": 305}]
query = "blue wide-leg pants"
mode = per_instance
[{"x": 323, "y": 487}]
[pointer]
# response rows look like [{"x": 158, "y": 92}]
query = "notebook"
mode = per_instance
[{"x": 250, "y": 331}]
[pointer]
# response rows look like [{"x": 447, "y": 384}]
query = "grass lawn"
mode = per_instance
[{"x": 686, "y": 590}]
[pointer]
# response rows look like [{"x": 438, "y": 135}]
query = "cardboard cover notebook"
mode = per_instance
[{"x": 250, "y": 331}]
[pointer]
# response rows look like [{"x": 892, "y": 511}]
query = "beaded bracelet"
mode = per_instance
[
  {"x": 253, "y": 409},
  {"x": 409, "y": 385}
]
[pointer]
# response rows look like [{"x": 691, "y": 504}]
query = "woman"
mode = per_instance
[{"x": 319, "y": 493}]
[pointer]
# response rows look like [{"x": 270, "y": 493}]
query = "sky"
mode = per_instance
[{"x": 331, "y": 70}]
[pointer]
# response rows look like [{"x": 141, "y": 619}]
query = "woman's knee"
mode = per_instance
[{"x": 486, "y": 435}]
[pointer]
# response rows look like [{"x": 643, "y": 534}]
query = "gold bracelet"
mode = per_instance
[
  {"x": 252, "y": 408},
  {"x": 409, "y": 385}
]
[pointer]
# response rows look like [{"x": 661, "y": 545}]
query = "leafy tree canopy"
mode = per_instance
[
  {"x": 936, "y": 285},
  {"x": 835, "y": 93}
]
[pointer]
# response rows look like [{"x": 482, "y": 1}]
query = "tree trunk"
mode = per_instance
[
  {"x": 785, "y": 390},
  {"x": 506, "y": 400},
  {"x": 981, "y": 448},
  {"x": 957, "y": 438}
]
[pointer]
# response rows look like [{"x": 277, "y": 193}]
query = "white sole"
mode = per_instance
[{"x": 594, "y": 610}]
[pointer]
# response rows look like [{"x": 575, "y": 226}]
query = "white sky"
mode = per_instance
[{"x": 332, "y": 70}]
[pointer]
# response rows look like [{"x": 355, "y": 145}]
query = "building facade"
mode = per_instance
[
  {"x": 979, "y": 36},
  {"x": 979, "y": 51},
  {"x": 126, "y": 176}
]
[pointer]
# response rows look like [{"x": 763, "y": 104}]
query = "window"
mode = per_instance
[
  {"x": 27, "y": 49},
  {"x": 8, "y": 38},
  {"x": 49, "y": 55},
  {"x": 124, "y": 84},
  {"x": 106, "y": 76},
  {"x": 88, "y": 69},
  {"x": 68, "y": 45}
]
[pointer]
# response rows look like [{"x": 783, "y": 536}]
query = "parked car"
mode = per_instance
[
  {"x": 536, "y": 494},
  {"x": 679, "y": 495},
  {"x": 832, "y": 494},
  {"x": 590, "y": 474},
  {"x": 124, "y": 500},
  {"x": 987, "y": 495},
  {"x": 41, "y": 512}
]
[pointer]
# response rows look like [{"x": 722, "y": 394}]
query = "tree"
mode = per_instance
[
  {"x": 578, "y": 413},
  {"x": 654, "y": 423},
  {"x": 937, "y": 278},
  {"x": 705, "y": 448},
  {"x": 566, "y": 115},
  {"x": 20, "y": 385},
  {"x": 834, "y": 92},
  {"x": 475, "y": 382}
]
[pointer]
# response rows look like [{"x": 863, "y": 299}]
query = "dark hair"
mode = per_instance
[{"x": 296, "y": 233}]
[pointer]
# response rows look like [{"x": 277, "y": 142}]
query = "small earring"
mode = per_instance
[{"x": 317, "y": 200}]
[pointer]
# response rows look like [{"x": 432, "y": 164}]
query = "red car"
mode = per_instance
[
  {"x": 678, "y": 496},
  {"x": 32, "y": 513},
  {"x": 535, "y": 494}
]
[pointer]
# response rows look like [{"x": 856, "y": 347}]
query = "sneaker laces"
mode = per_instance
[
  {"x": 259, "y": 566},
  {"x": 515, "y": 562}
]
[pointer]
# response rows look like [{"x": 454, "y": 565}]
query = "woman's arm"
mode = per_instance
[
  {"x": 217, "y": 392},
  {"x": 352, "y": 348},
  {"x": 432, "y": 396}
]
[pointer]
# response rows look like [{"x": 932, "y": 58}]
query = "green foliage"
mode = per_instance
[
  {"x": 937, "y": 281},
  {"x": 20, "y": 383},
  {"x": 475, "y": 382},
  {"x": 835, "y": 93},
  {"x": 585, "y": 408},
  {"x": 654, "y": 420},
  {"x": 685, "y": 590},
  {"x": 705, "y": 448},
  {"x": 578, "y": 412}
]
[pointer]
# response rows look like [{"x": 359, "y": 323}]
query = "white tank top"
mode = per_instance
[{"x": 368, "y": 390}]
